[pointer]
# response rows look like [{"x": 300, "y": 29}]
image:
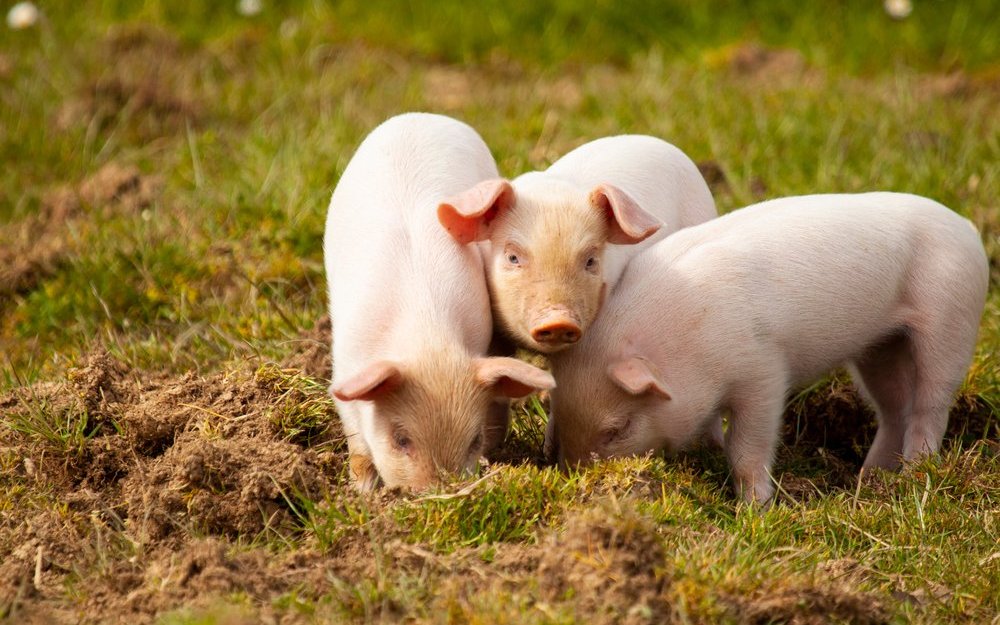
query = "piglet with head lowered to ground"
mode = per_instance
[
  {"x": 730, "y": 315},
  {"x": 410, "y": 308}
]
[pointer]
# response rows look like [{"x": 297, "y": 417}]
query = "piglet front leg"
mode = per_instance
[{"x": 752, "y": 438}]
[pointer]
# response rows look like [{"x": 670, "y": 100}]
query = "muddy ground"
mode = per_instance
[{"x": 176, "y": 489}]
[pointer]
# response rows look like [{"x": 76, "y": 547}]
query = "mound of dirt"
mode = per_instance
[
  {"x": 755, "y": 60},
  {"x": 835, "y": 419},
  {"x": 224, "y": 487},
  {"x": 810, "y": 606},
  {"x": 121, "y": 187},
  {"x": 147, "y": 80},
  {"x": 838, "y": 420},
  {"x": 311, "y": 351},
  {"x": 153, "y": 460},
  {"x": 36, "y": 246},
  {"x": 610, "y": 562}
]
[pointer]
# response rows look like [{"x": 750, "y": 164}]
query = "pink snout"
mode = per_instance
[{"x": 556, "y": 329}]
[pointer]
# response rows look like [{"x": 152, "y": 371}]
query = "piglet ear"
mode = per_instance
[
  {"x": 510, "y": 377},
  {"x": 638, "y": 376},
  {"x": 374, "y": 381},
  {"x": 467, "y": 216},
  {"x": 628, "y": 223}
]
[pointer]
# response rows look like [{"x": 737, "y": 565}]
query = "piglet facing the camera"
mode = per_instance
[
  {"x": 410, "y": 310},
  {"x": 730, "y": 315},
  {"x": 556, "y": 241}
]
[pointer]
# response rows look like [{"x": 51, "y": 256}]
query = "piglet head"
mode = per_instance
[
  {"x": 605, "y": 414},
  {"x": 546, "y": 241},
  {"x": 426, "y": 420}
]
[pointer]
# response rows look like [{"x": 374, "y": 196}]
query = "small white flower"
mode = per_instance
[
  {"x": 249, "y": 8},
  {"x": 289, "y": 28},
  {"x": 23, "y": 15},
  {"x": 898, "y": 9}
]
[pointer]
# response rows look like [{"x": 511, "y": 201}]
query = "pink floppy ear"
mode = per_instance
[
  {"x": 628, "y": 223},
  {"x": 374, "y": 381},
  {"x": 638, "y": 376},
  {"x": 511, "y": 377},
  {"x": 467, "y": 216}
]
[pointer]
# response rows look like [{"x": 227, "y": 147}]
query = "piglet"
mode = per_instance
[
  {"x": 556, "y": 241},
  {"x": 410, "y": 308},
  {"x": 730, "y": 315}
]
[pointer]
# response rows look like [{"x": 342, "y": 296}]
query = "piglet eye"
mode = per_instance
[
  {"x": 612, "y": 434},
  {"x": 477, "y": 443},
  {"x": 513, "y": 259},
  {"x": 592, "y": 263},
  {"x": 401, "y": 441}
]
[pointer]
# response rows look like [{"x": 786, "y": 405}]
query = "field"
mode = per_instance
[{"x": 168, "y": 452}]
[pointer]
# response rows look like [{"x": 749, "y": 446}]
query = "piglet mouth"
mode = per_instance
[{"x": 556, "y": 329}]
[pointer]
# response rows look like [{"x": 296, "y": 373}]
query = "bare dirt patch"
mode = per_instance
[
  {"x": 198, "y": 572},
  {"x": 311, "y": 351},
  {"x": 148, "y": 80},
  {"x": 36, "y": 246},
  {"x": 134, "y": 465},
  {"x": 762, "y": 65},
  {"x": 611, "y": 563},
  {"x": 810, "y": 606},
  {"x": 6, "y": 67}
]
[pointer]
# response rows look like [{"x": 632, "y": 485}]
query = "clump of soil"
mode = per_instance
[
  {"x": 714, "y": 176},
  {"x": 610, "y": 561},
  {"x": 119, "y": 186},
  {"x": 152, "y": 460},
  {"x": 835, "y": 419},
  {"x": 222, "y": 487},
  {"x": 36, "y": 246},
  {"x": 810, "y": 606},
  {"x": 146, "y": 79},
  {"x": 753, "y": 59},
  {"x": 6, "y": 67},
  {"x": 311, "y": 354},
  {"x": 719, "y": 183}
]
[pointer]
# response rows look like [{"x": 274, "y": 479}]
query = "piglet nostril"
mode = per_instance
[{"x": 571, "y": 336}]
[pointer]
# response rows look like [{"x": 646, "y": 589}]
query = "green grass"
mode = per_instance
[{"x": 248, "y": 123}]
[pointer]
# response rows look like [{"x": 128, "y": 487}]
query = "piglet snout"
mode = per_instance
[{"x": 556, "y": 328}]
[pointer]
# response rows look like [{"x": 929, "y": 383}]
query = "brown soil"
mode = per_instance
[
  {"x": 168, "y": 459},
  {"x": 40, "y": 243},
  {"x": 838, "y": 421},
  {"x": 148, "y": 80},
  {"x": 311, "y": 351},
  {"x": 610, "y": 562},
  {"x": 763, "y": 66},
  {"x": 763, "y": 62},
  {"x": 6, "y": 67},
  {"x": 810, "y": 606}
]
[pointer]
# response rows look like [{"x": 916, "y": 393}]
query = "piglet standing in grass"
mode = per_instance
[
  {"x": 730, "y": 315},
  {"x": 410, "y": 308},
  {"x": 556, "y": 241}
]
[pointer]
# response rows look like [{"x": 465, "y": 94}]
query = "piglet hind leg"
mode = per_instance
[
  {"x": 752, "y": 438},
  {"x": 887, "y": 376},
  {"x": 942, "y": 356}
]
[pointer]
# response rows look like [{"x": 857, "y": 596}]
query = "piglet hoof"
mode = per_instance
[
  {"x": 363, "y": 473},
  {"x": 759, "y": 494}
]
